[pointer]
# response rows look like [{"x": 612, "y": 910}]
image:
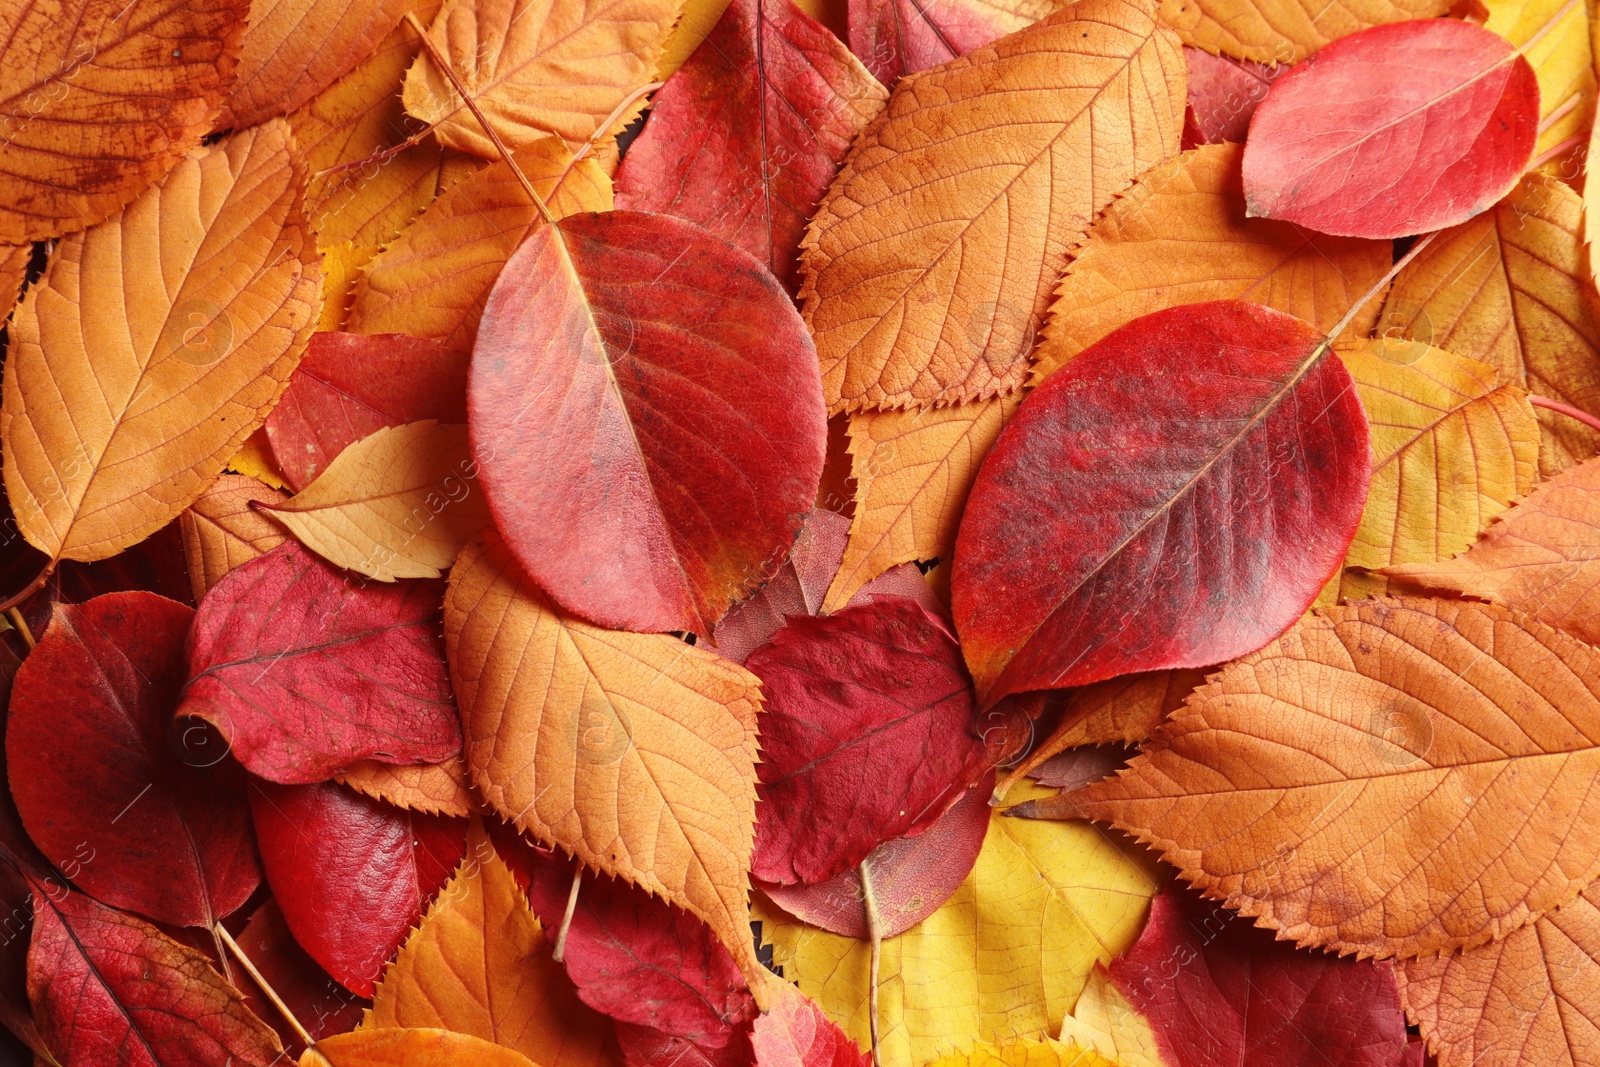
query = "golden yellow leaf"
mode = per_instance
[
  {"x": 1180, "y": 236},
  {"x": 400, "y": 503},
  {"x": 155, "y": 345},
  {"x": 341, "y": 266},
  {"x": 222, "y": 529},
  {"x": 1390, "y": 777},
  {"x": 255, "y": 460},
  {"x": 1283, "y": 31},
  {"x": 1529, "y": 999},
  {"x": 537, "y": 67},
  {"x": 1026, "y": 1052},
  {"x": 294, "y": 49},
  {"x": 930, "y": 261},
  {"x": 435, "y": 788},
  {"x": 913, "y": 470},
  {"x": 1541, "y": 557},
  {"x": 479, "y": 964},
  {"x": 635, "y": 752},
  {"x": 1004, "y": 957},
  {"x": 1451, "y": 448},
  {"x": 410, "y": 1048},
  {"x": 1107, "y": 1022},
  {"x": 433, "y": 280},
  {"x": 1511, "y": 288},
  {"x": 1553, "y": 35},
  {"x": 95, "y": 104},
  {"x": 13, "y": 270}
]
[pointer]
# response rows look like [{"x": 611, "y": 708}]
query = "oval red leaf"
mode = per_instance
[
  {"x": 351, "y": 875},
  {"x": 101, "y": 777},
  {"x": 1199, "y": 458},
  {"x": 1396, "y": 130},
  {"x": 646, "y": 412},
  {"x": 306, "y": 668}
]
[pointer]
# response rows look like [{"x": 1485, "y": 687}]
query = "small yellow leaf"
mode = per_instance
[
  {"x": 255, "y": 460},
  {"x": 1107, "y": 1022},
  {"x": 223, "y": 529}
]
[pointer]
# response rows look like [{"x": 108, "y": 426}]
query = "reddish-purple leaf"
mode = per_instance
[
  {"x": 100, "y": 773},
  {"x": 323, "y": 1006},
  {"x": 1079, "y": 766},
  {"x": 111, "y": 991},
  {"x": 912, "y": 877},
  {"x": 1395, "y": 130},
  {"x": 349, "y": 386},
  {"x": 868, "y": 735},
  {"x": 796, "y": 1033},
  {"x": 895, "y": 37},
  {"x": 646, "y": 411},
  {"x": 306, "y": 668},
  {"x": 1198, "y": 459},
  {"x": 352, "y": 875},
  {"x": 1220, "y": 992},
  {"x": 1223, "y": 93},
  {"x": 746, "y": 135}
]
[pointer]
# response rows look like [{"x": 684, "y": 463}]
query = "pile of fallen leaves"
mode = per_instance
[{"x": 581, "y": 533}]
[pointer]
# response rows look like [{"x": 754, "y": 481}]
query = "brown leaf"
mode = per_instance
[
  {"x": 930, "y": 261},
  {"x": 13, "y": 269},
  {"x": 1283, "y": 31},
  {"x": 129, "y": 387},
  {"x": 222, "y": 529}
]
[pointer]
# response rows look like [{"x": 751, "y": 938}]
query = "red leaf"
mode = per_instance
[
  {"x": 795, "y": 1033},
  {"x": 100, "y": 775},
  {"x": 1224, "y": 93},
  {"x": 746, "y": 135},
  {"x": 1199, "y": 458},
  {"x": 912, "y": 877},
  {"x": 323, "y": 1006},
  {"x": 351, "y": 385},
  {"x": 867, "y": 736},
  {"x": 1396, "y": 130},
  {"x": 1219, "y": 991},
  {"x": 648, "y": 450},
  {"x": 108, "y": 989},
  {"x": 352, "y": 875},
  {"x": 306, "y": 669},
  {"x": 895, "y": 37},
  {"x": 644, "y": 1047},
  {"x": 640, "y": 960}
]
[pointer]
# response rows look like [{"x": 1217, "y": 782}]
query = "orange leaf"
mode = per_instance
[
  {"x": 1283, "y": 31},
  {"x": 100, "y": 101},
  {"x": 410, "y": 1048},
  {"x": 13, "y": 269},
  {"x": 434, "y": 788},
  {"x": 930, "y": 262},
  {"x": 636, "y": 752},
  {"x": 155, "y": 345},
  {"x": 1390, "y": 777},
  {"x": 223, "y": 529}
]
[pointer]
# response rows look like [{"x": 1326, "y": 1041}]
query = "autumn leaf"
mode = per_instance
[
  {"x": 648, "y": 451},
  {"x": 1223, "y": 95},
  {"x": 894, "y": 37},
  {"x": 634, "y": 752},
  {"x": 1554, "y": 37},
  {"x": 100, "y": 785},
  {"x": 128, "y": 388},
  {"x": 1105, "y": 1020},
  {"x": 1148, "y": 463},
  {"x": 311, "y": 995},
  {"x": 1320, "y": 150},
  {"x": 536, "y": 67},
  {"x": 478, "y": 964},
  {"x": 305, "y": 670},
  {"x": 929, "y": 263},
  {"x": 1370, "y": 844},
  {"x": 109, "y": 988},
  {"x": 222, "y": 529},
  {"x": 796, "y": 1033},
  {"x": 352, "y": 875},
  {"x": 1180, "y": 236},
  {"x": 1027, "y": 1052},
  {"x": 97, "y": 107},
  {"x": 1511, "y": 288},
  {"x": 254, "y": 460},
  {"x": 1283, "y": 31},
  {"x": 349, "y": 386},
  {"x": 398, "y": 504},
  {"x": 1540, "y": 557},
  {"x": 421, "y": 1047},
  {"x": 14, "y": 261},
  {"x": 769, "y": 105},
  {"x": 432, "y": 788}
]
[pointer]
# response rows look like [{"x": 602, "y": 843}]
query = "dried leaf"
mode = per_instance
[
  {"x": 1283, "y": 31},
  {"x": 254, "y": 460},
  {"x": 1554, "y": 37},
  {"x": 14, "y": 261},
  {"x": 1027, "y": 1052},
  {"x": 796, "y": 1033},
  {"x": 99, "y": 107},
  {"x": 412, "y": 1048},
  {"x": 155, "y": 344},
  {"x": 1440, "y": 800},
  {"x": 895, "y": 37},
  {"x": 223, "y": 530},
  {"x": 634, "y": 752},
  {"x": 929, "y": 263},
  {"x": 433, "y": 788},
  {"x": 319, "y": 1003},
  {"x": 1180, "y": 236},
  {"x": 1104, "y": 1020},
  {"x": 1223, "y": 94}
]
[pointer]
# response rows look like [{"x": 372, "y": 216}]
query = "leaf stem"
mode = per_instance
[
  {"x": 1559, "y": 150},
  {"x": 219, "y": 932},
  {"x": 1560, "y": 113},
  {"x": 441, "y": 61},
  {"x": 869, "y": 901},
  {"x": 22, "y": 627},
  {"x": 1566, "y": 409},
  {"x": 566, "y": 919},
  {"x": 1378, "y": 286}
]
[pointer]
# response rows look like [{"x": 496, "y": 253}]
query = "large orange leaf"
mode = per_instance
[
  {"x": 423, "y": 1047},
  {"x": 1283, "y": 31},
  {"x": 635, "y": 752},
  {"x": 1390, "y": 777},
  {"x": 1542, "y": 556},
  {"x": 156, "y": 343},
  {"x": 537, "y": 67},
  {"x": 929, "y": 264},
  {"x": 1512, "y": 288},
  {"x": 479, "y": 964},
  {"x": 1180, "y": 236},
  {"x": 100, "y": 98}
]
